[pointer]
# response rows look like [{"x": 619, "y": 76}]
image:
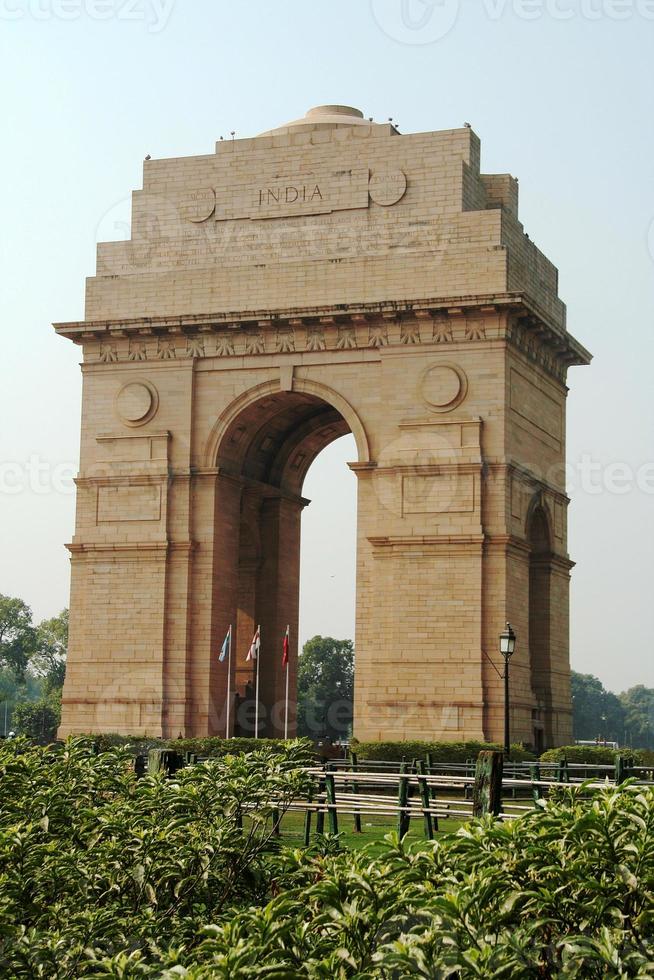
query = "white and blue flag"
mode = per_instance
[{"x": 226, "y": 648}]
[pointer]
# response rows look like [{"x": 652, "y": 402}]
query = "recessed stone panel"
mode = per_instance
[
  {"x": 117, "y": 505},
  {"x": 443, "y": 493}
]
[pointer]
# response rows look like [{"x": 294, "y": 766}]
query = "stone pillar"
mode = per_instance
[
  {"x": 539, "y": 645},
  {"x": 216, "y": 602},
  {"x": 418, "y": 640},
  {"x": 560, "y": 692},
  {"x": 178, "y": 611},
  {"x": 278, "y": 584},
  {"x": 177, "y": 648}
]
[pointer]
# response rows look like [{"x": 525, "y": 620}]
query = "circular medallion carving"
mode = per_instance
[
  {"x": 387, "y": 187},
  {"x": 444, "y": 386},
  {"x": 137, "y": 402},
  {"x": 199, "y": 205}
]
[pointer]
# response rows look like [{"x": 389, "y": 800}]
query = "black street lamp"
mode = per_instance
[{"x": 507, "y": 647}]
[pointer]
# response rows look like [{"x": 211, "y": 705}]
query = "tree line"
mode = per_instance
[
  {"x": 598, "y": 714},
  {"x": 33, "y": 666},
  {"x": 32, "y": 670},
  {"x": 326, "y": 693}
]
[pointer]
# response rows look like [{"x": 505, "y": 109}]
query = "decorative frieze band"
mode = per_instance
[{"x": 409, "y": 326}]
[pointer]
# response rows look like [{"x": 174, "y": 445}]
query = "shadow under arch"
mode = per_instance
[{"x": 260, "y": 449}]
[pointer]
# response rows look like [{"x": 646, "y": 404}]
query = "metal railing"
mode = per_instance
[{"x": 428, "y": 792}]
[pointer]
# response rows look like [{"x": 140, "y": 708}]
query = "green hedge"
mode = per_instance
[
  {"x": 598, "y": 755},
  {"x": 214, "y": 748},
  {"x": 38, "y": 720},
  {"x": 385, "y": 751},
  {"x": 135, "y": 744},
  {"x": 440, "y": 751}
]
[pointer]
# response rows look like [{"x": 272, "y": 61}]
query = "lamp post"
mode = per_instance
[{"x": 507, "y": 647}]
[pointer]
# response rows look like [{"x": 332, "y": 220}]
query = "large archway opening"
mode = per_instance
[
  {"x": 328, "y": 546},
  {"x": 328, "y": 595},
  {"x": 263, "y": 455}
]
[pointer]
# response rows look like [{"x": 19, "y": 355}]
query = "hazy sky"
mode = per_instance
[{"x": 561, "y": 94}]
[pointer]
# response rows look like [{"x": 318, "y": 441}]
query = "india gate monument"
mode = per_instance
[{"x": 330, "y": 276}]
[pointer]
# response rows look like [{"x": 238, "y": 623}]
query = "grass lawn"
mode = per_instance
[{"x": 373, "y": 830}]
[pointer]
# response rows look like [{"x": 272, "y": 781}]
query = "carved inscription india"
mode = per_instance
[{"x": 287, "y": 195}]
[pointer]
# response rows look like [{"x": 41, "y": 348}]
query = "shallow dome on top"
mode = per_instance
[{"x": 324, "y": 117}]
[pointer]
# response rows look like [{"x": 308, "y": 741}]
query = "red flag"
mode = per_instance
[{"x": 286, "y": 645}]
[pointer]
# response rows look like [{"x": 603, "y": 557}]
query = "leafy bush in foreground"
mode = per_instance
[
  {"x": 565, "y": 892},
  {"x": 93, "y": 859},
  {"x": 105, "y": 877}
]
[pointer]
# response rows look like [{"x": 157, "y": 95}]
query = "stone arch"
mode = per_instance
[{"x": 260, "y": 391}]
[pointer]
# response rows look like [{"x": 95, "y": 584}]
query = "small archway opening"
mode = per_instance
[
  {"x": 263, "y": 457},
  {"x": 539, "y": 625}
]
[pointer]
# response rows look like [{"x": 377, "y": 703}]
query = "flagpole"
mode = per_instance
[
  {"x": 286, "y": 712},
  {"x": 288, "y": 664},
  {"x": 256, "y": 694},
  {"x": 229, "y": 683}
]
